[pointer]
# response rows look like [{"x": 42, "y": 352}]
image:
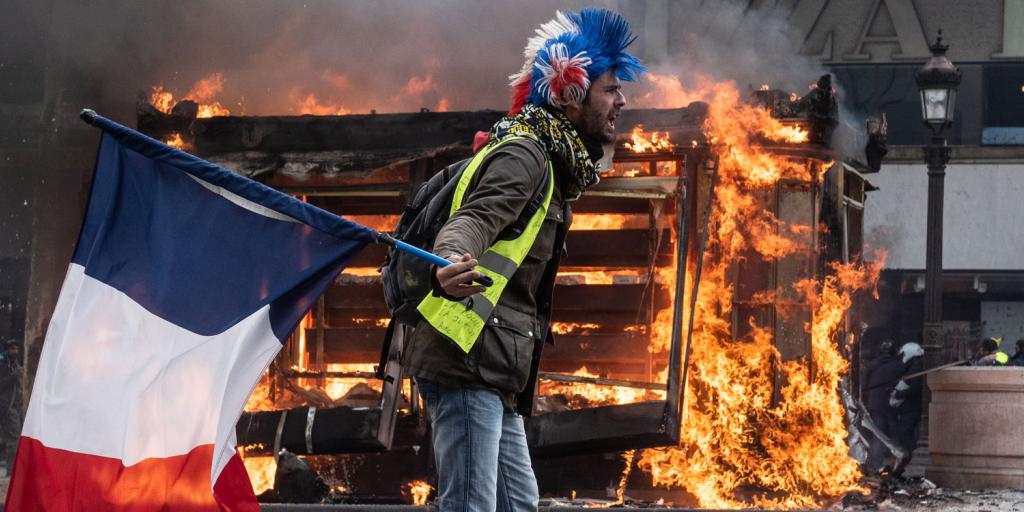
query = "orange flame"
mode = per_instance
[
  {"x": 261, "y": 472},
  {"x": 419, "y": 491},
  {"x": 303, "y": 104},
  {"x": 585, "y": 393},
  {"x": 608, "y": 221},
  {"x": 643, "y": 142},
  {"x": 260, "y": 400},
  {"x": 339, "y": 387},
  {"x": 161, "y": 99},
  {"x": 176, "y": 141},
  {"x": 202, "y": 92},
  {"x": 738, "y": 433}
]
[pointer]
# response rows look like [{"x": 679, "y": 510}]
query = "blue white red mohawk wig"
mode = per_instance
[{"x": 568, "y": 53}]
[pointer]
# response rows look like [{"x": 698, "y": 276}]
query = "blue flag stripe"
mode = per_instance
[{"x": 197, "y": 259}]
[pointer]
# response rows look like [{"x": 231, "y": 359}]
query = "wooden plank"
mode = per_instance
[
  {"x": 361, "y": 205},
  {"x": 614, "y": 248},
  {"x": 599, "y": 204}
]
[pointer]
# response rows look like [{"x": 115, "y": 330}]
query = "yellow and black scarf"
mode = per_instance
[{"x": 556, "y": 134}]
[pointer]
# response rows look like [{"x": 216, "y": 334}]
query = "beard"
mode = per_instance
[{"x": 595, "y": 124}]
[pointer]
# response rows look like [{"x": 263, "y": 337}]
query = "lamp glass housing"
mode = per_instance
[{"x": 938, "y": 105}]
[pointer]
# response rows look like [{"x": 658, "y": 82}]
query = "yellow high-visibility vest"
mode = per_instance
[{"x": 463, "y": 321}]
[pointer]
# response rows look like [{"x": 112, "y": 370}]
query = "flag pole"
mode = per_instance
[
  {"x": 91, "y": 117},
  {"x": 391, "y": 241}
]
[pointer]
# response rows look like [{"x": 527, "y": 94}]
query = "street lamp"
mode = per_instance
[{"x": 937, "y": 80}]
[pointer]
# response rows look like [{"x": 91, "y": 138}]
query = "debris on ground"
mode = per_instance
[{"x": 920, "y": 494}]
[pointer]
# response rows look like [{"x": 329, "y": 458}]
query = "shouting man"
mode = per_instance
[{"x": 472, "y": 352}]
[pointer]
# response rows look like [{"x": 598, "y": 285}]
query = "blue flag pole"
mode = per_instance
[{"x": 154, "y": 148}]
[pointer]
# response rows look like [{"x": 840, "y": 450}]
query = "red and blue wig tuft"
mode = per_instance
[{"x": 569, "y": 52}]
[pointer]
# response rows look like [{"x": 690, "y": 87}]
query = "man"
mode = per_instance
[
  {"x": 990, "y": 355},
  {"x": 907, "y": 400},
  {"x": 882, "y": 373},
  {"x": 474, "y": 349},
  {"x": 1018, "y": 357}
]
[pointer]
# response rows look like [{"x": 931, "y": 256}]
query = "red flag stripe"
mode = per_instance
[{"x": 63, "y": 480}]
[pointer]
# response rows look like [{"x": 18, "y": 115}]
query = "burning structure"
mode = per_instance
[{"x": 706, "y": 326}]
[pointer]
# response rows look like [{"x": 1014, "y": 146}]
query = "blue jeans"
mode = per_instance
[{"x": 483, "y": 463}]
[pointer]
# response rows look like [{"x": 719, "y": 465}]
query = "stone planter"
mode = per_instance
[{"x": 976, "y": 428}]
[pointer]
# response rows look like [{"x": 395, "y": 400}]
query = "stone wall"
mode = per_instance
[{"x": 976, "y": 428}]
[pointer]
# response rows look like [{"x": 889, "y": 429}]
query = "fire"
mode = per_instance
[
  {"x": 161, "y": 99},
  {"x": 175, "y": 141},
  {"x": 309, "y": 103},
  {"x": 571, "y": 327},
  {"x": 643, "y": 142},
  {"x": 261, "y": 472},
  {"x": 202, "y": 92},
  {"x": 419, "y": 491},
  {"x": 788, "y": 133},
  {"x": 667, "y": 91},
  {"x": 260, "y": 400},
  {"x": 588, "y": 275},
  {"x": 608, "y": 221},
  {"x": 362, "y": 271},
  {"x": 584, "y": 393},
  {"x": 339, "y": 387},
  {"x": 736, "y": 436}
]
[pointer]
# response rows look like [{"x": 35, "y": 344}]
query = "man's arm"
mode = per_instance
[{"x": 507, "y": 180}]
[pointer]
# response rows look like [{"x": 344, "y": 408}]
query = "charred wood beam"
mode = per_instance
[
  {"x": 370, "y": 133},
  {"x": 334, "y": 430},
  {"x": 600, "y": 204},
  {"x": 613, "y": 248},
  {"x": 558, "y": 377},
  {"x": 361, "y": 205},
  {"x": 312, "y": 374},
  {"x": 607, "y": 428}
]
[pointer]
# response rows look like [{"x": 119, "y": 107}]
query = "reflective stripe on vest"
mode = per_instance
[{"x": 463, "y": 321}]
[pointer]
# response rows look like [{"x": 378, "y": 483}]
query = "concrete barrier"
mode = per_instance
[{"x": 976, "y": 428}]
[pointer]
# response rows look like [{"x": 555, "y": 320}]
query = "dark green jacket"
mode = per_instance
[{"x": 501, "y": 359}]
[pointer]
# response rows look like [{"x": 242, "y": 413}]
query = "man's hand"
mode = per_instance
[{"x": 456, "y": 279}]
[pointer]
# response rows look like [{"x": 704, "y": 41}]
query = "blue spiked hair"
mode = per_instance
[{"x": 571, "y": 51}]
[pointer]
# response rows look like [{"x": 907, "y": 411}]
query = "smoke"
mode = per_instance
[
  {"x": 746, "y": 42},
  {"x": 750, "y": 43},
  {"x": 387, "y": 55}
]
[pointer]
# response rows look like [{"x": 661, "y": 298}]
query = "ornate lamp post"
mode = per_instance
[{"x": 937, "y": 80}]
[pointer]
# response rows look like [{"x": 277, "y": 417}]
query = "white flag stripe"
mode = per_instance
[{"x": 118, "y": 381}]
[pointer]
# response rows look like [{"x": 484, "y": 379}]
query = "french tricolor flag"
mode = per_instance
[{"x": 185, "y": 282}]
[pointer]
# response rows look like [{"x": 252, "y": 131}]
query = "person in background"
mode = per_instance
[
  {"x": 906, "y": 399},
  {"x": 883, "y": 371},
  {"x": 1018, "y": 357},
  {"x": 990, "y": 355}
]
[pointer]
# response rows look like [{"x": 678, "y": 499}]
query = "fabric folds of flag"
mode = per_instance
[{"x": 185, "y": 282}]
